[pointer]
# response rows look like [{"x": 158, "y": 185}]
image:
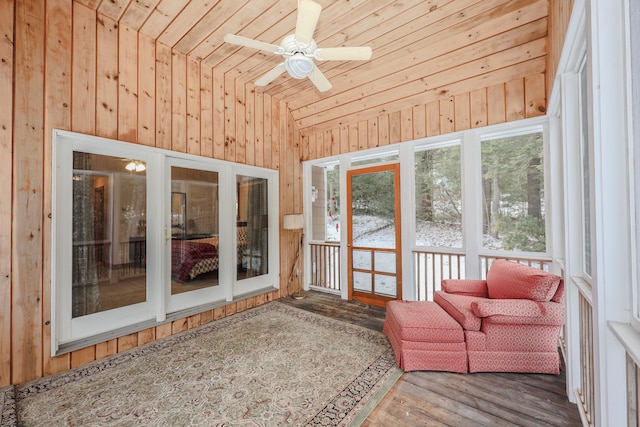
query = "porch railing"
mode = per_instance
[
  {"x": 431, "y": 267},
  {"x": 586, "y": 391},
  {"x": 325, "y": 266}
]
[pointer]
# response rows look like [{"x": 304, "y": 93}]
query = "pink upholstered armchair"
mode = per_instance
[{"x": 511, "y": 321}]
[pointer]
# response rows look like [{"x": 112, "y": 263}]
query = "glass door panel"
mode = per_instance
[
  {"x": 252, "y": 227},
  {"x": 194, "y": 229},
  {"x": 108, "y": 233},
  {"x": 373, "y": 217}
]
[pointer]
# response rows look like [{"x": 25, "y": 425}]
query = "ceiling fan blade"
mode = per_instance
[
  {"x": 319, "y": 80},
  {"x": 247, "y": 42},
  {"x": 344, "y": 53},
  {"x": 308, "y": 14},
  {"x": 270, "y": 75}
]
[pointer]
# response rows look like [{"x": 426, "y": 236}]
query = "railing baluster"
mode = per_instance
[
  {"x": 633, "y": 392},
  {"x": 323, "y": 269},
  {"x": 339, "y": 264}
]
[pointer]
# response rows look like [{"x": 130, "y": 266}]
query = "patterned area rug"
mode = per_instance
[
  {"x": 271, "y": 365},
  {"x": 8, "y": 406}
]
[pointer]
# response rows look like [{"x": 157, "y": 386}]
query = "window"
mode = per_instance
[
  {"x": 141, "y": 233},
  {"x": 513, "y": 210},
  {"x": 108, "y": 234},
  {"x": 325, "y": 202},
  {"x": 252, "y": 227},
  {"x": 438, "y": 196},
  {"x": 585, "y": 150}
]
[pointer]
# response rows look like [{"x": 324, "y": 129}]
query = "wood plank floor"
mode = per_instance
[{"x": 448, "y": 399}]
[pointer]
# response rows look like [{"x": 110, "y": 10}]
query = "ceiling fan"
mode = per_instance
[{"x": 299, "y": 50}]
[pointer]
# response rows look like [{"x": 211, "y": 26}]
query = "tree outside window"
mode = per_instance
[
  {"x": 513, "y": 193},
  {"x": 438, "y": 197}
]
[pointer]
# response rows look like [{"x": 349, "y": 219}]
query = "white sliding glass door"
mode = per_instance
[{"x": 141, "y": 233}]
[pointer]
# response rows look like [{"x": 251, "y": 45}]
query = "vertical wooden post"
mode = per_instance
[
  {"x": 146, "y": 90},
  {"x": 241, "y": 142},
  {"x": 83, "y": 102},
  {"x": 6, "y": 186},
  {"x": 106, "y": 88},
  {"x": 206, "y": 111},
  {"x": 259, "y": 128},
  {"x": 219, "y": 135},
  {"x": 26, "y": 247},
  {"x": 163, "y": 96},
  {"x": 57, "y": 115},
  {"x": 127, "y": 84},
  {"x": 178, "y": 101},
  {"x": 193, "y": 107},
  {"x": 249, "y": 122}
]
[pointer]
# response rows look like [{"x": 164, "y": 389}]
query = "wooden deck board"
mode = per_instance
[{"x": 449, "y": 399}]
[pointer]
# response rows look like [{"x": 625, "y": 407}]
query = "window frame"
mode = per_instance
[
  {"x": 632, "y": 31},
  {"x": 506, "y": 132}
]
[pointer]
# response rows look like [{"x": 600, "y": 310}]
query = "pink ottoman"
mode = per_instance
[{"x": 424, "y": 337}]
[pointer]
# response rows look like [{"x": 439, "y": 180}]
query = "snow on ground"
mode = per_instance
[{"x": 378, "y": 232}]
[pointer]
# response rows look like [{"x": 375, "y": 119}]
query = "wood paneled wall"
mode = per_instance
[
  {"x": 514, "y": 100},
  {"x": 559, "y": 16},
  {"x": 64, "y": 66}
]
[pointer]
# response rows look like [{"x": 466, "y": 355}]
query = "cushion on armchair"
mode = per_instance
[
  {"x": 510, "y": 280},
  {"x": 508, "y": 307},
  {"x": 473, "y": 288},
  {"x": 459, "y": 307},
  {"x": 506, "y": 312}
]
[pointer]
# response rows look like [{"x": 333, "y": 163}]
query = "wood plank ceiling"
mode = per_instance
[{"x": 422, "y": 50}]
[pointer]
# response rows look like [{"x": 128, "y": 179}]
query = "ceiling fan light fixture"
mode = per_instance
[
  {"x": 299, "y": 66},
  {"x": 135, "y": 165}
]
